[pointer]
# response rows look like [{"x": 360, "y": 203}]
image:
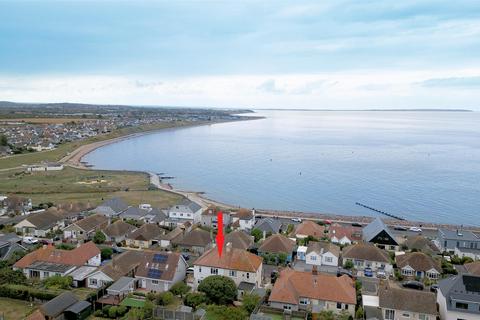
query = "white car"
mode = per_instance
[
  {"x": 30, "y": 240},
  {"x": 296, "y": 220},
  {"x": 415, "y": 229}
]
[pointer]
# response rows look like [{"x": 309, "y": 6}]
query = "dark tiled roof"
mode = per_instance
[
  {"x": 268, "y": 225},
  {"x": 59, "y": 304},
  {"x": 44, "y": 220},
  {"x": 277, "y": 243},
  {"x": 122, "y": 264},
  {"x": 239, "y": 239},
  {"x": 195, "y": 238},
  {"x": 118, "y": 228},
  {"x": 461, "y": 287},
  {"x": 116, "y": 204},
  {"x": 374, "y": 228},
  {"x": 91, "y": 222},
  {"x": 364, "y": 251},
  {"x": 406, "y": 299},
  {"x": 146, "y": 232},
  {"x": 418, "y": 261}
]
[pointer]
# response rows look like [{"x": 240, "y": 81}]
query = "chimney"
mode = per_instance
[
  {"x": 228, "y": 246},
  {"x": 315, "y": 272}
]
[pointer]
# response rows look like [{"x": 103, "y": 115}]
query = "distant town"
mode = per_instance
[{"x": 39, "y": 127}]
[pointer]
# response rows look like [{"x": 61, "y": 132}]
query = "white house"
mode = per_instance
[
  {"x": 237, "y": 264},
  {"x": 458, "y": 297},
  {"x": 364, "y": 255},
  {"x": 186, "y": 210},
  {"x": 40, "y": 224},
  {"x": 244, "y": 219},
  {"x": 322, "y": 253}
]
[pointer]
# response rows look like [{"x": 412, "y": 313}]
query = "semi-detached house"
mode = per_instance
[{"x": 239, "y": 265}]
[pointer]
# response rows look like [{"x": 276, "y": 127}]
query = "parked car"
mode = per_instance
[
  {"x": 327, "y": 221},
  {"x": 413, "y": 285},
  {"x": 186, "y": 256},
  {"x": 381, "y": 274},
  {"x": 45, "y": 241},
  {"x": 356, "y": 224},
  {"x": 296, "y": 220},
  {"x": 368, "y": 272},
  {"x": 415, "y": 229},
  {"x": 190, "y": 270},
  {"x": 434, "y": 288},
  {"x": 30, "y": 240},
  {"x": 400, "y": 228},
  {"x": 344, "y": 272}
]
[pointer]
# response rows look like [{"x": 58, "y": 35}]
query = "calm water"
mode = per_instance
[{"x": 419, "y": 165}]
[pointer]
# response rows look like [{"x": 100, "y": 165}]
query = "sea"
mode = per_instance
[{"x": 419, "y": 165}]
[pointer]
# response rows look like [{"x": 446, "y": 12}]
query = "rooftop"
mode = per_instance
[
  {"x": 277, "y": 243},
  {"x": 232, "y": 258},
  {"x": 406, "y": 299}
]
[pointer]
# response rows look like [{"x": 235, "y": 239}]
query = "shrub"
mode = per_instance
[
  {"x": 257, "y": 234},
  {"x": 8, "y": 275},
  {"x": 99, "y": 237},
  {"x": 359, "y": 313},
  {"x": 195, "y": 299},
  {"x": 58, "y": 282},
  {"x": 179, "y": 289},
  {"x": 225, "y": 313},
  {"x": 164, "y": 298},
  {"x": 25, "y": 293},
  {"x": 250, "y": 302},
  {"x": 349, "y": 264},
  {"x": 106, "y": 253},
  {"x": 65, "y": 246},
  {"x": 112, "y": 312},
  {"x": 218, "y": 289}
]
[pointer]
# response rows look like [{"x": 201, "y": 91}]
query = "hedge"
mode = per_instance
[{"x": 25, "y": 293}]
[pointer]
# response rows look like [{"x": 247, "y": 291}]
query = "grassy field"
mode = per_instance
[
  {"x": 88, "y": 186},
  {"x": 65, "y": 149},
  {"x": 12, "y": 309}
]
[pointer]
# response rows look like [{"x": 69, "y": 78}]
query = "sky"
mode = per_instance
[{"x": 254, "y": 54}]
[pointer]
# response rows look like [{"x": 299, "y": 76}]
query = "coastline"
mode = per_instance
[{"x": 74, "y": 159}]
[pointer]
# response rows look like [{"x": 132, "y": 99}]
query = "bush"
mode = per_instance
[
  {"x": 112, "y": 312},
  {"x": 8, "y": 275},
  {"x": 218, "y": 289},
  {"x": 225, "y": 313},
  {"x": 359, "y": 313},
  {"x": 257, "y": 234},
  {"x": 58, "y": 282},
  {"x": 99, "y": 237},
  {"x": 25, "y": 293},
  {"x": 106, "y": 253},
  {"x": 250, "y": 302},
  {"x": 349, "y": 264},
  {"x": 65, "y": 246},
  {"x": 164, "y": 298},
  {"x": 195, "y": 299},
  {"x": 180, "y": 289}
]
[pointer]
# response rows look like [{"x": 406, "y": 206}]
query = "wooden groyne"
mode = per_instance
[{"x": 379, "y": 211}]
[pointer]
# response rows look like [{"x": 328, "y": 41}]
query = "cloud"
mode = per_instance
[
  {"x": 454, "y": 82},
  {"x": 270, "y": 86}
]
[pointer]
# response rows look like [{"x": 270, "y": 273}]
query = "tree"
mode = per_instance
[
  {"x": 180, "y": 289},
  {"x": 257, "y": 234},
  {"x": 349, "y": 264},
  {"x": 195, "y": 299},
  {"x": 359, "y": 313},
  {"x": 250, "y": 302},
  {"x": 8, "y": 275},
  {"x": 218, "y": 289},
  {"x": 282, "y": 258},
  {"x": 99, "y": 237},
  {"x": 164, "y": 298},
  {"x": 106, "y": 253},
  {"x": 65, "y": 246},
  {"x": 3, "y": 140}
]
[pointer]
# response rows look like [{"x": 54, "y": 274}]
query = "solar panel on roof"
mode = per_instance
[
  {"x": 161, "y": 258},
  {"x": 154, "y": 273}
]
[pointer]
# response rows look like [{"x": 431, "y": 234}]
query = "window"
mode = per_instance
[
  {"x": 232, "y": 273},
  {"x": 461, "y": 305},
  {"x": 407, "y": 272},
  {"x": 303, "y": 301},
  {"x": 200, "y": 269},
  {"x": 339, "y": 305},
  {"x": 45, "y": 273},
  {"x": 248, "y": 275},
  {"x": 154, "y": 281},
  {"x": 422, "y": 317},
  {"x": 285, "y": 307},
  {"x": 313, "y": 258},
  {"x": 93, "y": 281},
  {"x": 213, "y": 271},
  {"x": 406, "y": 315},
  {"x": 389, "y": 314},
  {"x": 328, "y": 259}
]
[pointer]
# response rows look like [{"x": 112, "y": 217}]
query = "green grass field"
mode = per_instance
[
  {"x": 12, "y": 309},
  {"x": 88, "y": 186},
  {"x": 65, "y": 149}
]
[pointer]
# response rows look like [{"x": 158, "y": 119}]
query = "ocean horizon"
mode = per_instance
[{"x": 419, "y": 165}]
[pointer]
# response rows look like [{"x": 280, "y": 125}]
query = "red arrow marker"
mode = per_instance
[{"x": 219, "y": 237}]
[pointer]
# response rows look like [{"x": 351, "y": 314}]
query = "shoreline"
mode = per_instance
[{"x": 74, "y": 159}]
